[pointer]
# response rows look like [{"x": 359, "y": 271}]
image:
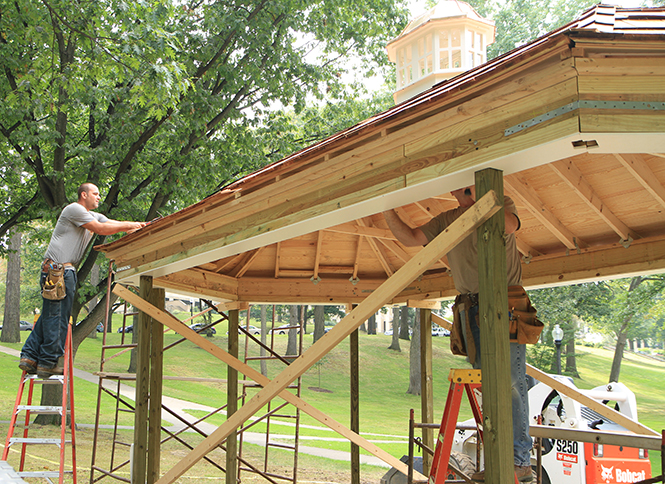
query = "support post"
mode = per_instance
[
  {"x": 494, "y": 339},
  {"x": 157, "y": 299},
  {"x": 142, "y": 386},
  {"x": 232, "y": 399},
  {"x": 355, "y": 405},
  {"x": 426, "y": 390}
]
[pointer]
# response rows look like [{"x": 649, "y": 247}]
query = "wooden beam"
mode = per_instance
[
  {"x": 317, "y": 258},
  {"x": 354, "y": 396},
  {"x": 173, "y": 323},
  {"x": 604, "y": 410},
  {"x": 157, "y": 299},
  {"x": 354, "y": 229},
  {"x": 570, "y": 174},
  {"x": 356, "y": 261},
  {"x": 201, "y": 282},
  {"x": 378, "y": 252},
  {"x": 232, "y": 399},
  {"x": 245, "y": 263},
  {"x": 527, "y": 196},
  {"x": 426, "y": 387},
  {"x": 460, "y": 229},
  {"x": 423, "y": 304},
  {"x": 494, "y": 342},
  {"x": 277, "y": 256},
  {"x": 525, "y": 249},
  {"x": 140, "y": 450},
  {"x": 644, "y": 175}
]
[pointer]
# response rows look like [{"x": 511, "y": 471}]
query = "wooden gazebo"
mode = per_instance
[{"x": 571, "y": 125}]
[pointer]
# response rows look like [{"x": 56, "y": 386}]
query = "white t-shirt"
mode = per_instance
[
  {"x": 69, "y": 240},
  {"x": 463, "y": 258}
]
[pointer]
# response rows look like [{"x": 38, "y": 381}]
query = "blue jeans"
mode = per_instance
[
  {"x": 46, "y": 342},
  {"x": 522, "y": 442}
]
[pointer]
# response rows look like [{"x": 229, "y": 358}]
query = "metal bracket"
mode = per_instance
[
  {"x": 527, "y": 258},
  {"x": 315, "y": 280},
  {"x": 354, "y": 280},
  {"x": 626, "y": 242}
]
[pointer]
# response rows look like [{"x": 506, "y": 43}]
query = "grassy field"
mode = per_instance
[{"x": 384, "y": 406}]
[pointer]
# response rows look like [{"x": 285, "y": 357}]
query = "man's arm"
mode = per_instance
[
  {"x": 405, "y": 234},
  {"x": 512, "y": 222},
  {"x": 111, "y": 227}
]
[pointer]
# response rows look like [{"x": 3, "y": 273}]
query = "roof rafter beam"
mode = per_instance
[
  {"x": 353, "y": 229},
  {"x": 573, "y": 177},
  {"x": 529, "y": 198},
  {"x": 643, "y": 174},
  {"x": 378, "y": 252}
]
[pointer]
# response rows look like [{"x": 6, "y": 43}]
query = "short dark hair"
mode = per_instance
[{"x": 84, "y": 188}]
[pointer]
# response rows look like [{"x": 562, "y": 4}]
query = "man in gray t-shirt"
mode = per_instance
[
  {"x": 69, "y": 241},
  {"x": 463, "y": 260}
]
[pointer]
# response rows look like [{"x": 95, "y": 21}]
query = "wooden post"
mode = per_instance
[
  {"x": 142, "y": 386},
  {"x": 355, "y": 405},
  {"x": 157, "y": 299},
  {"x": 426, "y": 390},
  {"x": 232, "y": 399},
  {"x": 494, "y": 340}
]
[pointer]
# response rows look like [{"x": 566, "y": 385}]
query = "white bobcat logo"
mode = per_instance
[{"x": 607, "y": 472}]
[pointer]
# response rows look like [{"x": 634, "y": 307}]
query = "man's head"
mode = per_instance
[
  {"x": 465, "y": 196},
  {"x": 89, "y": 196}
]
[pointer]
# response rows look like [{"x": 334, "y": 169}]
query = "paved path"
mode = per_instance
[{"x": 180, "y": 406}]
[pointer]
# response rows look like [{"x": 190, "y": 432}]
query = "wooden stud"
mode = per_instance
[
  {"x": 157, "y": 299},
  {"x": 356, "y": 262},
  {"x": 494, "y": 343},
  {"x": 232, "y": 399},
  {"x": 643, "y": 174},
  {"x": 277, "y": 256},
  {"x": 317, "y": 257},
  {"x": 426, "y": 384},
  {"x": 172, "y": 323},
  {"x": 460, "y": 229},
  {"x": 527, "y": 196},
  {"x": 576, "y": 181},
  {"x": 142, "y": 387}
]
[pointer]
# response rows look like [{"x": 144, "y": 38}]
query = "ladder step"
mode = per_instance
[
  {"x": 281, "y": 446},
  {"x": 41, "y": 474},
  {"x": 43, "y": 409},
  {"x": 22, "y": 440}
]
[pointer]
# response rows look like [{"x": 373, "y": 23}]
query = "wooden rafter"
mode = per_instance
[
  {"x": 246, "y": 262},
  {"x": 277, "y": 256},
  {"x": 224, "y": 264},
  {"x": 643, "y": 174},
  {"x": 378, "y": 252},
  {"x": 576, "y": 181},
  {"x": 176, "y": 325},
  {"x": 317, "y": 258},
  {"x": 356, "y": 262},
  {"x": 409, "y": 221},
  {"x": 354, "y": 229},
  {"x": 528, "y": 197},
  {"x": 525, "y": 249},
  {"x": 458, "y": 231}
]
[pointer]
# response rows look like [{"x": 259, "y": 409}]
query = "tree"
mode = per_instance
[
  {"x": 371, "y": 324},
  {"x": 394, "y": 323},
  {"x": 414, "y": 359},
  {"x": 264, "y": 333},
  {"x": 292, "y": 343},
  {"x": 12, "y": 314},
  {"x": 319, "y": 322},
  {"x": 404, "y": 323}
]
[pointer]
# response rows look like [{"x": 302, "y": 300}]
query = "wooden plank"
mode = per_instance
[
  {"x": 277, "y": 259},
  {"x": 610, "y": 121},
  {"x": 201, "y": 282},
  {"x": 644, "y": 175},
  {"x": 232, "y": 399},
  {"x": 171, "y": 322},
  {"x": 622, "y": 84},
  {"x": 423, "y": 304},
  {"x": 317, "y": 258},
  {"x": 426, "y": 384},
  {"x": 157, "y": 299},
  {"x": 494, "y": 342},
  {"x": 576, "y": 395},
  {"x": 460, "y": 229},
  {"x": 520, "y": 191},
  {"x": 356, "y": 262},
  {"x": 378, "y": 252},
  {"x": 576, "y": 181},
  {"x": 617, "y": 65},
  {"x": 444, "y": 323},
  {"x": 355, "y": 229},
  {"x": 140, "y": 450}
]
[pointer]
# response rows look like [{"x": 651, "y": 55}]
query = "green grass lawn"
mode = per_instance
[{"x": 384, "y": 379}]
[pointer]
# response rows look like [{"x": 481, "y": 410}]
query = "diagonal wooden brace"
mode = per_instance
[
  {"x": 480, "y": 212},
  {"x": 179, "y": 327}
]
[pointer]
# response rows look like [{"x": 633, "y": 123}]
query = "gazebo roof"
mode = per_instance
[{"x": 574, "y": 119}]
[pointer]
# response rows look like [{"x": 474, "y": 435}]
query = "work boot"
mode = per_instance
[
  {"x": 43, "y": 372},
  {"x": 523, "y": 474},
  {"x": 27, "y": 365}
]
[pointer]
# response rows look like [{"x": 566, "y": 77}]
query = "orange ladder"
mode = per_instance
[{"x": 66, "y": 409}]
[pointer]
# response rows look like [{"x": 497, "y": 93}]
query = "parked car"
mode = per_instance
[
  {"x": 284, "y": 328},
  {"x": 128, "y": 329},
  {"x": 252, "y": 330},
  {"x": 23, "y": 326},
  {"x": 439, "y": 331},
  {"x": 199, "y": 328},
  {"x": 389, "y": 332},
  {"x": 100, "y": 328}
]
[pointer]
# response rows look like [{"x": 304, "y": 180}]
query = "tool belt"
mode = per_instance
[
  {"x": 525, "y": 327},
  {"x": 54, "y": 285}
]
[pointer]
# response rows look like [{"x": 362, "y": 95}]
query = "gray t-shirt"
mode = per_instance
[
  {"x": 463, "y": 258},
  {"x": 69, "y": 239}
]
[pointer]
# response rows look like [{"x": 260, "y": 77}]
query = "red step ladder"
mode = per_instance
[
  {"x": 67, "y": 408},
  {"x": 461, "y": 381}
]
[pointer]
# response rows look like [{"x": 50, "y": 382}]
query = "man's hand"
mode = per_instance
[{"x": 139, "y": 225}]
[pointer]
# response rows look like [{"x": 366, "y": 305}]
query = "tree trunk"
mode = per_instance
[
  {"x": 571, "y": 360},
  {"x": 319, "y": 322},
  {"x": 414, "y": 359},
  {"x": 404, "y": 323},
  {"x": 618, "y": 356},
  {"x": 292, "y": 344},
  {"x": 133, "y": 355},
  {"x": 394, "y": 323},
  {"x": 264, "y": 332},
  {"x": 94, "y": 280},
  {"x": 12, "y": 314},
  {"x": 371, "y": 324}
]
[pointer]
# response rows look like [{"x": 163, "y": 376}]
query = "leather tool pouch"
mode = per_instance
[
  {"x": 463, "y": 302},
  {"x": 525, "y": 327},
  {"x": 54, "y": 285}
]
